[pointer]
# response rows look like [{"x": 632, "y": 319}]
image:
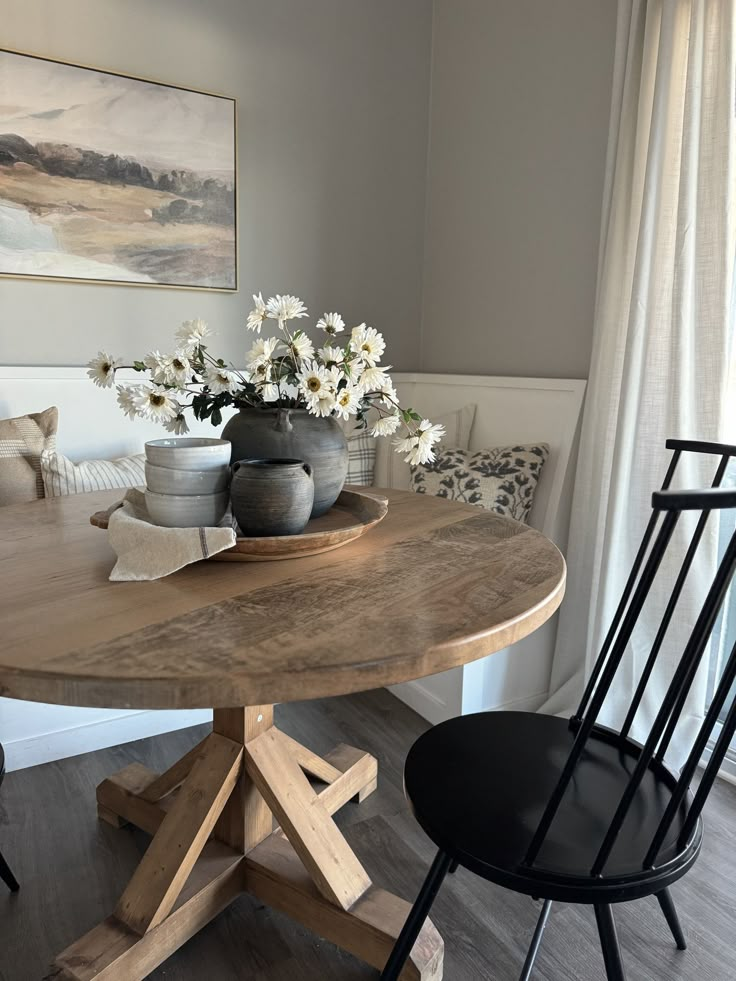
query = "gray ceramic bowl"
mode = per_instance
[
  {"x": 189, "y": 453},
  {"x": 187, "y": 510},
  {"x": 164, "y": 480}
]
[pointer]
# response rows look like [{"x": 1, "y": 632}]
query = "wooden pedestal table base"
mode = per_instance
[{"x": 239, "y": 814}]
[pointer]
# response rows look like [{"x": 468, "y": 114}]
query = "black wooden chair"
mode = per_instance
[
  {"x": 5, "y": 874},
  {"x": 570, "y": 810}
]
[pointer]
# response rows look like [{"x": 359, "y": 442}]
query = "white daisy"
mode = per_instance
[
  {"x": 427, "y": 435},
  {"x": 258, "y": 313},
  {"x": 386, "y": 426},
  {"x": 102, "y": 369},
  {"x": 261, "y": 373},
  {"x": 353, "y": 368},
  {"x": 323, "y": 403},
  {"x": 155, "y": 403},
  {"x": 329, "y": 353},
  {"x": 126, "y": 399},
  {"x": 269, "y": 392},
  {"x": 156, "y": 364},
  {"x": 388, "y": 393},
  {"x": 178, "y": 425},
  {"x": 374, "y": 379},
  {"x": 314, "y": 380},
  {"x": 331, "y": 323},
  {"x": 368, "y": 343},
  {"x": 191, "y": 334},
  {"x": 301, "y": 347},
  {"x": 178, "y": 370},
  {"x": 261, "y": 352},
  {"x": 347, "y": 401},
  {"x": 220, "y": 380},
  {"x": 410, "y": 446},
  {"x": 285, "y": 307}
]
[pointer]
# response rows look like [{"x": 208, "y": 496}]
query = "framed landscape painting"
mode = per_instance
[{"x": 110, "y": 178}]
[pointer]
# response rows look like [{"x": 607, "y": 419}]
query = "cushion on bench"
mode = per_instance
[{"x": 22, "y": 441}]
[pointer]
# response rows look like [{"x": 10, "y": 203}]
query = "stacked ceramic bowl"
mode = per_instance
[{"x": 187, "y": 481}]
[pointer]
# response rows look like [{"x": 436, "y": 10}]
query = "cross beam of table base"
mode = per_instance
[{"x": 239, "y": 814}]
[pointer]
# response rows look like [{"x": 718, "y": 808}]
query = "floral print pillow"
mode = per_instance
[{"x": 502, "y": 479}]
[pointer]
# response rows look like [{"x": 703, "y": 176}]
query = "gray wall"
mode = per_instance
[
  {"x": 333, "y": 112},
  {"x": 519, "y": 117},
  {"x": 333, "y": 124}
]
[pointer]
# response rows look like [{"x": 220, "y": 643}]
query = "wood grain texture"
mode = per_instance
[
  {"x": 114, "y": 952},
  {"x": 173, "y": 778},
  {"x": 120, "y": 795},
  {"x": 333, "y": 866},
  {"x": 310, "y": 762},
  {"x": 436, "y": 584},
  {"x": 246, "y": 818},
  {"x": 155, "y": 886},
  {"x": 275, "y": 875}
]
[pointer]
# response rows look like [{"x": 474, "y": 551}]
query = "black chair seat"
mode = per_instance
[{"x": 478, "y": 786}]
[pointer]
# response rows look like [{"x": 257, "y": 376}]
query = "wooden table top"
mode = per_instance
[{"x": 435, "y": 585}]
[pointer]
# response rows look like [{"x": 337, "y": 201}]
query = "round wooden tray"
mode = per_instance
[{"x": 353, "y": 514}]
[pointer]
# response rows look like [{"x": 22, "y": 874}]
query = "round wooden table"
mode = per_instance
[{"x": 435, "y": 585}]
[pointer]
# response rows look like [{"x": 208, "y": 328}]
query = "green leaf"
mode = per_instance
[{"x": 139, "y": 366}]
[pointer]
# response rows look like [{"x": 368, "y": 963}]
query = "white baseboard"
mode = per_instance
[
  {"x": 87, "y": 737},
  {"x": 417, "y": 697},
  {"x": 435, "y": 708},
  {"x": 529, "y": 703}
]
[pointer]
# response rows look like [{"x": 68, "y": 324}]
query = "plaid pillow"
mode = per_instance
[
  {"x": 361, "y": 458},
  {"x": 502, "y": 479}
]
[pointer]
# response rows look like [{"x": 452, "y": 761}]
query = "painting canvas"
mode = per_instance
[{"x": 113, "y": 178}]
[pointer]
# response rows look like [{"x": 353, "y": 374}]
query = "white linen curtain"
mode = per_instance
[{"x": 664, "y": 312}]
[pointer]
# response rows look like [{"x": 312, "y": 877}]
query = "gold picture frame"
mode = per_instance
[{"x": 75, "y": 209}]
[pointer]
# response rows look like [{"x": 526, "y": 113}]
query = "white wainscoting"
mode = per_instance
[
  {"x": 508, "y": 411},
  {"x": 33, "y": 733}
]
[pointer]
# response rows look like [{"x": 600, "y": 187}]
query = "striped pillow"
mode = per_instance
[
  {"x": 62, "y": 477},
  {"x": 361, "y": 459},
  {"x": 22, "y": 441}
]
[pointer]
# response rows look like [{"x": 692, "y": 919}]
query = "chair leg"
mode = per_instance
[
  {"x": 7, "y": 876},
  {"x": 536, "y": 941},
  {"x": 666, "y": 902},
  {"x": 609, "y": 943},
  {"x": 417, "y": 915}
]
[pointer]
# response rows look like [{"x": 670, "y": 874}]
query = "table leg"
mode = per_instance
[{"x": 239, "y": 814}]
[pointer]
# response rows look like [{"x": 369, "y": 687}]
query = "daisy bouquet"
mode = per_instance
[{"x": 342, "y": 378}]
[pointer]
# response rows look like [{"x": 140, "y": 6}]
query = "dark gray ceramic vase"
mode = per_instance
[
  {"x": 271, "y": 497},
  {"x": 294, "y": 434}
]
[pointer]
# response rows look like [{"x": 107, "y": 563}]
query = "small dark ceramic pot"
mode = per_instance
[
  {"x": 272, "y": 497},
  {"x": 296, "y": 434}
]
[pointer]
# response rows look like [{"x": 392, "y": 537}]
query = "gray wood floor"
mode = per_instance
[{"x": 72, "y": 870}]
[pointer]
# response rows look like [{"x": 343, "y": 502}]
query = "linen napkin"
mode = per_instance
[{"x": 147, "y": 551}]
